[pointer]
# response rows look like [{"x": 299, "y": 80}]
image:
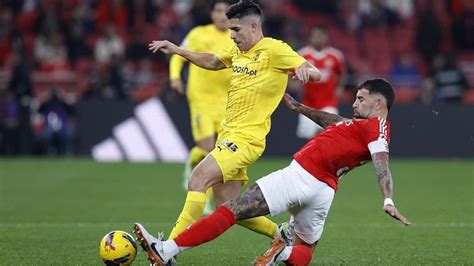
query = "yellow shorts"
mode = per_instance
[
  {"x": 235, "y": 153},
  {"x": 204, "y": 123}
]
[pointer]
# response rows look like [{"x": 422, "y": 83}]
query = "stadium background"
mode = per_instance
[{"x": 56, "y": 202}]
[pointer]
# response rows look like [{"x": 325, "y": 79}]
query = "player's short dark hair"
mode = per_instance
[
  {"x": 244, "y": 8},
  {"x": 381, "y": 86}
]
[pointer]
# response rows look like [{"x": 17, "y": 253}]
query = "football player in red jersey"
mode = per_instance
[
  {"x": 307, "y": 186},
  {"x": 324, "y": 94}
]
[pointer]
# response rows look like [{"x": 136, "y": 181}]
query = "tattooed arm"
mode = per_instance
[
  {"x": 384, "y": 178},
  {"x": 321, "y": 118}
]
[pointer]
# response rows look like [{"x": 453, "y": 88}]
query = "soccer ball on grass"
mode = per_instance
[{"x": 117, "y": 248}]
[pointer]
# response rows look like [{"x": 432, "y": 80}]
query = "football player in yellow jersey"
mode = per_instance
[
  {"x": 260, "y": 69},
  {"x": 207, "y": 90}
]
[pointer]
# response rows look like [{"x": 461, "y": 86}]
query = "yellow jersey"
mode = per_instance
[
  {"x": 206, "y": 88},
  {"x": 259, "y": 80}
]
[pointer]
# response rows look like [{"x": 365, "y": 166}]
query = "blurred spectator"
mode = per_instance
[
  {"x": 48, "y": 19},
  {"x": 448, "y": 80},
  {"x": 141, "y": 12},
  {"x": 144, "y": 75},
  {"x": 322, "y": 95},
  {"x": 321, "y": 6},
  {"x": 138, "y": 48},
  {"x": 406, "y": 79},
  {"x": 50, "y": 52},
  {"x": 348, "y": 16},
  {"x": 405, "y": 73},
  {"x": 109, "y": 45},
  {"x": 117, "y": 79},
  {"x": 6, "y": 24},
  {"x": 405, "y": 8},
  {"x": 378, "y": 14},
  {"x": 20, "y": 85},
  {"x": 15, "y": 5},
  {"x": 275, "y": 19},
  {"x": 56, "y": 134},
  {"x": 76, "y": 47},
  {"x": 112, "y": 12},
  {"x": 463, "y": 28},
  {"x": 80, "y": 28},
  {"x": 97, "y": 82},
  {"x": 9, "y": 138},
  {"x": 20, "y": 80},
  {"x": 198, "y": 9},
  {"x": 82, "y": 17},
  {"x": 428, "y": 32}
]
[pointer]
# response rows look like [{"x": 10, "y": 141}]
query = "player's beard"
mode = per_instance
[{"x": 358, "y": 116}]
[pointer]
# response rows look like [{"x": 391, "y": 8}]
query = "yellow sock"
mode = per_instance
[
  {"x": 196, "y": 155},
  {"x": 192, "y": 211},
  {"x": 209, "y": 194},
  {"x": 261, "y": 225}
]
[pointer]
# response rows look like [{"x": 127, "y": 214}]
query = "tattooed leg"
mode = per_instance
[{"x": 250, "y": 204}]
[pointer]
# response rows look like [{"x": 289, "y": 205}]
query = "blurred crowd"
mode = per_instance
[{"x": 55, "y": 53}]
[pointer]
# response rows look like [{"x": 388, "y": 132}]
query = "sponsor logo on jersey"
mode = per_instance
[{"x": 244, "y": 70}]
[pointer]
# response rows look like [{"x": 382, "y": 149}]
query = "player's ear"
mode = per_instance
[
  {"x": 379, "y": 104},
  {"x": 254, "y": 27}
]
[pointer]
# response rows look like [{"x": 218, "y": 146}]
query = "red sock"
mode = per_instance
[
  {"x": 206, "y": 229},
  {"x": 300, "y": 256}
]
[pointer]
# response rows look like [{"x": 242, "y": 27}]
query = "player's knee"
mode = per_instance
[{"x": 198, "y": 181}]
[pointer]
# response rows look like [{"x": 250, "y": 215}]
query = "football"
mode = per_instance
[{"x": 117, "y": 248}]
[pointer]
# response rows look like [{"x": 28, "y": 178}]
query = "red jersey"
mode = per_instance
[
  {"x": 342, "y": 147},
  {"x": 330, "y": 62}
]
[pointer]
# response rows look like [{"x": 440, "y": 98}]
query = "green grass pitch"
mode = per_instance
[{"x": 55, "y": 211}]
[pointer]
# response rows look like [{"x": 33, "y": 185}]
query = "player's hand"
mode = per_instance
[
  {"x": 392, "y": 211},
  {"x": 177, "y": 85},
  {"x": 307, "y": 72},
  {"x": 166, "y": 47},
  {"x": 302, "y": 74},
  {"x": 291, "y": 102}
]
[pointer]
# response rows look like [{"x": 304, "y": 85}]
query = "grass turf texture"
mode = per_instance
[{"x": 54, "y": 212}]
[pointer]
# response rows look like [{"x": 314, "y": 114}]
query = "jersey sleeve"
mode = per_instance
[
  {"x": 376, "y": 135},
  {"x": 284, "y": 58},
  {"x": 176, "y": 65},
  {"x": 176, "y": 61},
  {"x": 225, "y": 55}
]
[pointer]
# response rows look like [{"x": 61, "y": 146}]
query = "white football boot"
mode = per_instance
[{"x": 152, "y": 245}]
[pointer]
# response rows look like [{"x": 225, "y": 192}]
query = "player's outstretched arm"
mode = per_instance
[
  {"x": 384, "y": 178},
  {"x": 307, "y": 72},
  {"x": 204, "y": 60},
  {"x": 321, "y": 118}
]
